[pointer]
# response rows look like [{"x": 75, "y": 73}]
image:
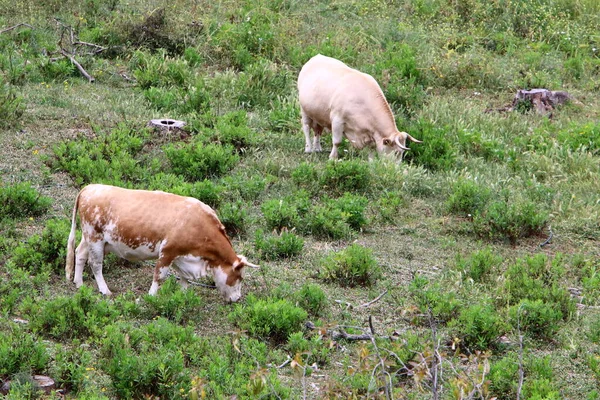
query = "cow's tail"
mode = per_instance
[{"x": 70, "y": 266}]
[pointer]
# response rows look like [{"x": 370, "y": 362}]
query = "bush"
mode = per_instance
[
  {"x": 273, "y": 319},
  {"x": 436, "y": 152},
  {"x": 581, "y": 137},
  {"x": 232, "y": 129},
  {"x": 21, "y": 200},
  {"x": 158, "y": 70},
  {"x": 273, "y": 247},
  {"x": 504, "y": 377},
  {"x": 312, "y": 298},
  {"x": 468, "y": 197},
  {"x": 433, "y": 299},
  {"x": 198, "y": 160},
  {"x": 536, "y": 318},
  {"x": 47, "y": 250},
  {"x": 173, "y": 303},
  {"x": 206, "y": 191},
  {"x": 343, "y": 176},
  {"x": 280, "y": 214},
  {"x": 78, "y": 316},
  {"x": 478, "y": 265},
  {"x": 353, "y": 209},
  {"x": 108, "y": 158},
  {"x": 510, "y": 220},
  {"x": 234, "y": 216},
  {"x": 306, "y": 177},
  {"x": 390, "y": 206},
  {"x": 478, "y": 326},
  {"x": 20, "y": 351},
  {"x": 71, "y": 366},
  {"x": 327, "y": 222},
  {"x": 11, "y": 104},
  {"x": 353, "y": 266}
]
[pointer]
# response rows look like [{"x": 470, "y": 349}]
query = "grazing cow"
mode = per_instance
[
  {"x": 142, "y": 225},
  {"x": 349, "y": 103}
]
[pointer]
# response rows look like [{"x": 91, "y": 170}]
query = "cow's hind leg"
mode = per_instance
[
  {"x": 81, "y": 257},
  {"x": 337, "y": 135},
  {"x": 306, "y": 122},
  {"x": 161, "y": 272},
  {"x": 96, "y": 258},
  {"x": 318, "y": 131}
]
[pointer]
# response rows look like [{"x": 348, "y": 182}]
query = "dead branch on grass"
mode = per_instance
[
  {"x": 364, "y": 305},
  {"x": 15, "y": 27},
  {"x": 79, "y": 67}
]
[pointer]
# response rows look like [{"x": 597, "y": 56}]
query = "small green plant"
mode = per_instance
[
  {"x": 306, "y": 177},
  {"x": 312, "y": 298},
  {"x": 353, "y": 209},
  {"x": 468, "y": 197},
  {"x": 71, "y": 365},
  {"x": 478, "y": 326},
  {"x": 172, "y": 302},
  {"x": 20, "y": 351},
  {"x": 43, "y": 251},
  {"x": 581, "y": 137},
  {"x": 535, "y": 318},
  {"x": 390, "y": 206},
  {"x": 504, "y": 377},
  {"x": 433, "y": 301},
  {"x": 234, "y": 216},
  {"x": 435, "y": 153},
  {"x": 11, "y": 104},
  {"x": 280, "y": 214},
  {"x": 78, "y": 316},
  {"x": 510, "y": 220},
  {"x": 206, "y": 191},
  {"x": 232, "y": 129},
  {"x": 343, "y": 176},
  {"x": 199, "y": 160},
  {"x": 478, "y": 265},
  {"x": 267, "y": 318},
  {"x": 278, "y": 246},
  {"x": 353, "y": 266},
  {"x": 22, "y": 200}
]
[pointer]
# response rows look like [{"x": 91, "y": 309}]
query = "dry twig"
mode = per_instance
[
  {"x": 15, "y": 27},
  {"x": 79, "y": 67}
]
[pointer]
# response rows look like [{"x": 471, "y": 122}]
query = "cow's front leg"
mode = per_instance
[
  {"x": 161, "y": 272},
  {"x": 337, "y": 135},
  {"x": 318, "y": 131},
  {"x": 96, "y": 257}
]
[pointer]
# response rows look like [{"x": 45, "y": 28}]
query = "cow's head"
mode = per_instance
[
  {"x": 396, "y": 143},
  {"x": 229, "y": 279}
]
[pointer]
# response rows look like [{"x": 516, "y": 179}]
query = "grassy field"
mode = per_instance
[{"x": 471, "y": 269}]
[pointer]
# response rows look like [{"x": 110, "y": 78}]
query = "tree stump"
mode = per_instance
[{"x": 544, "y": 101}]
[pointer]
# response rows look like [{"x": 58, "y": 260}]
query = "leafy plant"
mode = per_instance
[
  {"x": 478, "y": 326},
  {"x": 353, "y": 266},
  {"x": 479, "y": 265},
  {"x": 234, "y": 216},
  {"x": 199, "y": 160},
  {"x": 536, "y": 318},
  {"x": 20, "y": 351},
  {"x": 346, "y": 176},
  {"x": 22, "y": 200},
  {"x": 468, "y": 197},
  {"x": 278, "y": 246},
  {"x": 312, "y": 298},
  {"x": 266, "y": 318},
  {"x": 172, "y": 302}
]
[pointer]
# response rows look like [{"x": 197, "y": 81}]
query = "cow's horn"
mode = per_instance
[
  {"x": 412, "y": 139},
  {"x": 244, "y": 261},
  {"x": 400, "y": 144}
]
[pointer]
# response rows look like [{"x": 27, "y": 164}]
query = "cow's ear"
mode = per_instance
[{"x": 387, "y": 141}]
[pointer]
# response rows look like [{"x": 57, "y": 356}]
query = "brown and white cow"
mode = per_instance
[
  {"x": 139, "y": 225},
  {"x": 349, "y": 103}
]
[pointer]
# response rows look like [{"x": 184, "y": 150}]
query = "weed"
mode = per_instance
[
  {"x": 273, "y": 247},
  {"x": 234, "y": 216},
  {"x": 172, "y": 302},
  {"x": 353, "y": 266},
  {"x": 346, "y": 176},
  {"x": 468, "y": 197},
  {"x": 11, "y": 104},
  {"x": 536, "y": 318},
  {"x": 504, "y": 377},
  {"x": 265, "y": 318},
  {"x": 45, "y": 251},
  {"x": 21, "y": 351},
  {"x": 432, "y": 300},
  {"x": 22, "y": 200},
  {"x": 479, "y": 265},
  {"x": 71, "y": 365},
  {"x": 280, "y": 214},
  {"x": 198, "y": 160},
  {"x": 435, "y": 153},
  {"x": 478, "y": 326},
  {"x": 312, "y": 298}
]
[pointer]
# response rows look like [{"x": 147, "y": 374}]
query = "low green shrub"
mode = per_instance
[
  {"x": 158, "y": 70},
  {"x": 353, "y": 266},
  {"x": 21, "y": 351},
  {"x": 389, "y": 207},
  {"x": 436, "y": 152},
  {"x": 468, "y": 197},
  {"x": 585, "y": 137},
  {"x": 261, "y": 83},
  {"x": 267, "y": 318},
  {"x": 353, "y": 209},
  {"x": 111, "y": 158},
  {"x": 247, "y": 187},
  {"x": 510, "y": 220},
  {"x": 22, "y": 200},
  {"x": 11, "y": 104},
  {"x": 343, "y": 176},
  {"x": 535, "y": 318},
  {"x": 199, "y": 160},
  {"x": 478, "y": 326},
  {"x": 474, "y": 144},
  {"x": 433, "y": 300},
  {"x": 314, "y": 350},
  {"x": 537, "y": 278},
  {"x": 232, "y": 129},
  {"x": 306, "y": 177},
  {"x": 82, "y": 315},
  {"x": 71, "y": 365},
  {"x": 327, "y": 222},
  {"x": 504, "y": 377},
  {"x": 234, "y": 216},
  {"x": 206, "y": 191},
  {"x": 280, "y": 214},
  {"x": 479, "y": 265},
  {"x": 172, "y": 302},
  {"x": 278, "y": 246},
  {"x": 312, "y": 298},
  {"x": 45, "y": 251}
]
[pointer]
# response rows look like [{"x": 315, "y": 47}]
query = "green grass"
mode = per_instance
[{"x": 450, "y": 237}]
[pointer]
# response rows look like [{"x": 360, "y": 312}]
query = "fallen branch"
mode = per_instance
[
  {"x": 547, "y": 241},
  {"x": 99, "y": 49},
  {"x": 341, "y": 334},
  {"x": 15, "y": 27},
  {"x": 79, "y": 67},
  {"x": 376, "y": 299}
]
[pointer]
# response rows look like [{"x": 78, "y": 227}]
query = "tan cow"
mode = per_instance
[
  {"x": 349, "y": 103},
  {"x": 139, "y": 225}
]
